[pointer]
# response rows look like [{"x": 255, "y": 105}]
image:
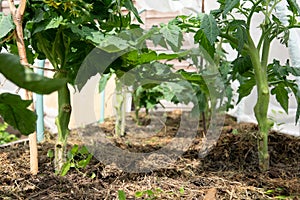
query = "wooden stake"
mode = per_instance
[{"x": 17, "y": 14}]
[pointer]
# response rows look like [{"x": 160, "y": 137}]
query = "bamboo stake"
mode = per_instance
[{"x": 17, "y": 14}]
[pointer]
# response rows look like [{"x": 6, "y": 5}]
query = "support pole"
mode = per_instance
[
  {"x": 39, "y": 105},
  {"x": 102, "y": 106}
]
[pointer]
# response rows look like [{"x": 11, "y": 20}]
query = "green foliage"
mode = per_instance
[
  {"x": 201, "y": 38},
  {"x": 279, "y": 193},
  {"x": 6, "y": 137},
  {"x": 50, "y": 153},
  {"x": 145, "y": 70},
  {"x": 173, "y": 36},
  {"x": 6, "y": 24},
  {"x": 229, "y": 5},
  {"x": 210, "y": 28},
  {"x": 148, "y": 194},
  {"x": 65, "y": 32},
  {"x": 231, "y": 23},
  {"x": 129, "y": 5},
  {"x": 77, "y": 158},
  {"x": 246, "y": 87},
  {"x": 25, "y": 78},
  {"x": 121, "y": 195},
  {"x": 14, "y": 111},
  {"x": 279, "y": 77},
  {"x": 181, "y": 190}
]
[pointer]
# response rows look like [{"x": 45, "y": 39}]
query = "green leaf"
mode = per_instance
[
  {"x": 6, "y": 24},
  {"x": 150, "y": 193},
  {"x": 93, "y": 175},
  {"x": 158, "y": 39},
  {"x": 113, "y": 44},
  {"x": 181, "y": 190},
  {"x": 121, "y": 195},
  {"x": 281, "y": 95},
  {"x": 74, "y": 150},
  {"x": 241, "y": 65},
  {"x": 54, "y": 22},
  {"x": 83, "y": 150},
  {"x": 84, "y": 163},
  {"x": 50, "y": 153},
  {"x": 25, "y": 78},
  {"x": 70, "y": 156},
  {"x": 229, "y": 5},
  {"x": 241, "y": 35},
  {"x": 295, "y": 88},
  {"x": 87, "y": 33},
  {"x": 204, "y": 42},
  {"x": 173, "y": 36},
  {"x": 139, "y": 194},
  {"x": 129, "y": 5},
  {"x": 14, "y": 111},
  {"x": 65, "y": 168},
  {"x": 246, "y": 88},
  {"x": 294, "y": 7},
  {"x": 3, "y": 127},
  {"x": 136, "y": 58},
  {"x": 72, "y": 165},
  {"x": 210, "y": 28}
]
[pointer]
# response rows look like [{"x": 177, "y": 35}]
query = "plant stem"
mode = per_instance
[
  {"x": 120, "y": 110},
  {"x": 136, "y": 102},
  {"x": 204, "y": 123},
  {"x": 262, "y": 104},
  {"x": 62, "y": 123}
]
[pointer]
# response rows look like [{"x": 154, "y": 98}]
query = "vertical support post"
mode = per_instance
[
  {"x": 40, "y": 107},
  {"x": 102, "y": 106}
]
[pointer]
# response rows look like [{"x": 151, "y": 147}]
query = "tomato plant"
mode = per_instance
[
  {"x": 65, "y": 33},
  {"x": 142, "y": 68},
  {"x": 148, "y": 72},
  {"x": 232, "y": 23}
]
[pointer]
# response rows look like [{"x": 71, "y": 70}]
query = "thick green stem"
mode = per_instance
[
  {"x": 262, "y": 104},
  {"x": 120, "y": 109},
  {"x": 137, "y": 108},
  {"x": 62, "y": 123}
]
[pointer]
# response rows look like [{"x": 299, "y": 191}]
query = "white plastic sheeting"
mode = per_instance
[{"x": 185, "y": 6}]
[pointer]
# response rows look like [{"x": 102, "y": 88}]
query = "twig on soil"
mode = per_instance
[
  {"x": 17, "y": 196},
  {"x": 15, "y": 142}
]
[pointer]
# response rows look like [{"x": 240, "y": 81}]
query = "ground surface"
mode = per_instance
[{"x": 229, "y": 171}]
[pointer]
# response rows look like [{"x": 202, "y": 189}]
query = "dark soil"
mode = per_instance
[{"x": 229, "y": 171}]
